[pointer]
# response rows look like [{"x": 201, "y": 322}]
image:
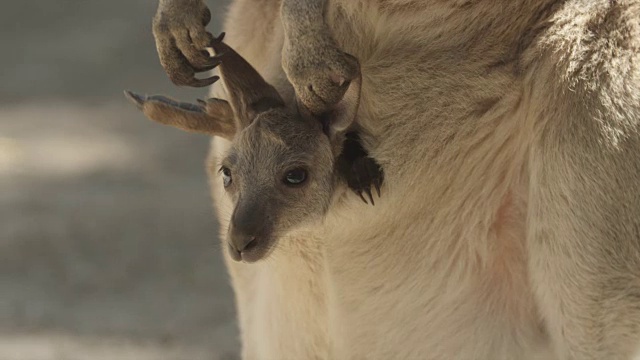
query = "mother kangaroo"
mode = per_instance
[{"x": 509, "y": 135}]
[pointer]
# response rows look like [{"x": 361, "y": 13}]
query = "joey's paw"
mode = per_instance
[
  {"x": 319, "y": 71},
  {"x": 365, "y": 174},
  {"x": 179, "y": 28}
]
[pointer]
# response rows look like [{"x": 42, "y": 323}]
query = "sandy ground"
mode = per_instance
[{"x": 108, "y": 245}]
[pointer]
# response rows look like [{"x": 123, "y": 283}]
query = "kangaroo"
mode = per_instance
[{"x": 509, "y": 135}]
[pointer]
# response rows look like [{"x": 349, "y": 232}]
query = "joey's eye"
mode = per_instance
[
  {"x": 226, "y": 176},
  {"x": 295, "y": 177}
]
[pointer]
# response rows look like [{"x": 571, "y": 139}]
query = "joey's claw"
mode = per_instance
[
  {"x": 204, "y": 82},
  {"x": 162, "y": 102},
  {"x": 137, "y": 99},
  {"x": 362, "y": 197},
  {"x": 159, "y": 100},
  {"x": 368, "y": 191},
  {"x": 379, "y": 178}
]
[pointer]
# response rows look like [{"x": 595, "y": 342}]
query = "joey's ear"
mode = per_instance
[
  {"x": 342, "y": 115},
  {"x": 249, "y": 93},
  {"x": 213, "y": 117}
]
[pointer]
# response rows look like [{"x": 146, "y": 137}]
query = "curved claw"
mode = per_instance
[
  {"x": 141, "y": 100},
  {"x": 359, "y": 192},
  {"x": 368, "y": 191},
  {"x": 137, "y": 99},
  {"x": 376, "y": 184},
  {"x": 203, "y": 82}
]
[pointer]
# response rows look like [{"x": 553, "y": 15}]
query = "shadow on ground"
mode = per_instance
[{"x": 108, "y": 246}]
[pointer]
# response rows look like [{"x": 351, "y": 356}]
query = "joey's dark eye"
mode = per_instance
[
  {"x": 295, "y": 177},
  {"x": 226, "y": 176}
]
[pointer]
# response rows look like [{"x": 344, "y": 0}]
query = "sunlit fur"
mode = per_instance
[{"x": 509, "y": 226}]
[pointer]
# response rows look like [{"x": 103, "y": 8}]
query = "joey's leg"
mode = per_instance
[
  {"x": 361, "y": 172},
  {"x": 319, "y": 71},
  {"x": 213, "y": 117},
  {"x": 181, "y": 41}
]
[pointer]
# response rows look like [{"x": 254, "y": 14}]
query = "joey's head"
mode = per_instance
[{"x": 279, "y": 171}]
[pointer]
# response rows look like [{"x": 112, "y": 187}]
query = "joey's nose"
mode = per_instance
[
  {"x": 241, "y": 242},
  {"x": 244, "y": 242},
  {"x": 248, "y": 234}
]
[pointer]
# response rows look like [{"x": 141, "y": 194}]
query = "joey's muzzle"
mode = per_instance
[{"x": 249, "y": 236}]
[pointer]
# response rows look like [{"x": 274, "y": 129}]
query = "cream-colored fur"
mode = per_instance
[{"x": 509, "y": 225}]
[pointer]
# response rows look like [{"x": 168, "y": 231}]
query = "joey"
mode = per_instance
[{"x": 284, "y": 162}]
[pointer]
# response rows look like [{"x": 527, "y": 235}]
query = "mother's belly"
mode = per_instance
[{"x": 404, "y": 282}]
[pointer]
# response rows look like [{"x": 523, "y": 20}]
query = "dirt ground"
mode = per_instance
[{"x": 108, "y": 246}]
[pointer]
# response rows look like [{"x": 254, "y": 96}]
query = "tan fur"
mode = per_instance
[{"x": 509, "y": 228}]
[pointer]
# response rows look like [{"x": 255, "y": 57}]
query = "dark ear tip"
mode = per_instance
[{"x": 138, "y": 100}]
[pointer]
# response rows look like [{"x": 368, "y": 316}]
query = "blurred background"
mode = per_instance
[{"x": 108, "y": 246}]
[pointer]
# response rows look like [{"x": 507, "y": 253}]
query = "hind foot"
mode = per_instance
[{"x": 314, "y": 64}]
